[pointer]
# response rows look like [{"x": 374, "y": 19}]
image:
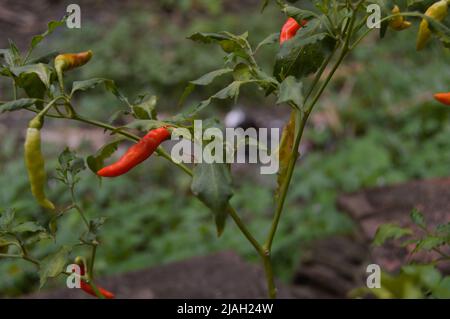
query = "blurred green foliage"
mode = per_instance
[{"x": 386, "y": 136}]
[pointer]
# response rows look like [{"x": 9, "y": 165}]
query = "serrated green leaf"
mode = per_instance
[
  {"x": 53, "y": 264},
  {"x": 389, "y": 231},
  {"x": 17, "y": 105},
  {"x": 211, "y": 183},
  {"x": 291, "y": 91}
]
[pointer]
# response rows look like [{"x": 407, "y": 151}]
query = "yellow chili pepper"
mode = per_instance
[
  {"x": 437, "y": 11},
  {"x": 35, "y": 163},
  {"x": 398, "y": 22}
]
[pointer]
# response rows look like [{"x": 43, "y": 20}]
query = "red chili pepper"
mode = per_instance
[
  {"x": 290, "y": 28},
  {"x": 137, "y": 153},
  {"x": 444, "y": 98},
  {"x": 88, "y": 289}
]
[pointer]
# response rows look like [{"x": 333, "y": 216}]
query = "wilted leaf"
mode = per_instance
[{"x": 285, "y": 151}]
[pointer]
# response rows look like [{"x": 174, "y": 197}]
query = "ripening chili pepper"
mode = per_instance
[
  {"x": 437, "y": 11},
  {"x": 35, "y": 162},
  {"x": 137, "y": 153},
  {"x": 87, "y": 287},
  {"x": 290, "y": 28},
  {"x": 398, "y": 23},
  {"x": 69, "y": 61},
  {"x": 444, "y": 98}
]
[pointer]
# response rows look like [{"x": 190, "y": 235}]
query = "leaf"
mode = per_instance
[
  {"x": 88, "y": 84},
  {"x": 299, "y": 14},
  {"x": 53, "y": 264},
  {"x": 208, "y": 78},
  {"x": 271, "y": 39},
  {"x": 7, "y": 57},
  {"x": 442, "y": 291},
  {"x": 242, "y": 72},
  {"x": 291, "y": 91},
  {"x": 443, "y": 229},
  {"x": 205, "y": 79},
  {"x": 42, "y": 70},
  {"x": 230, "y": 43},
  {"x": 110, "y": 86},
  {"x": 96, "y": 162},
  {"x": 389, "y": 231},
  {"x": 7, "y": 240},
  {"x": 211, "y": 183},
  {"x": 52, "y": 25},
  {"x": 285, "y": 151},
  {"x": 17, "y": 104},
  {"x": 7, "y": 218},
  {"x": 15, "y": 53},
  {"x": 264, "y": 5},
  {"x": 44, "y": 58},
  {"x": 417, "y": 218},
  {"x": 145, "y": 125},
  {"x": 27, "y": 227},
  {"x": 146, "y": 109},
  {"x": 303, "y": 54},
  {"x": 231, "y": 91},
  {"x": 429, "y": 243}
]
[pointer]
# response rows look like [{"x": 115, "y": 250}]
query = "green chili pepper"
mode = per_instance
[{"x": 35, "y": 163}]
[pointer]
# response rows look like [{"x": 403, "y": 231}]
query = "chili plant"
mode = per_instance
[{"x": 313, "y": 44}]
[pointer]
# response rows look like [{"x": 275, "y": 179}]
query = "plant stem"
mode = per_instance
[
  {"x": 267, "y": 262},
  {"x": 301, "y": 119},
  {"x": 91, "y": 262},
  {"x": 259, "y": 249}
]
